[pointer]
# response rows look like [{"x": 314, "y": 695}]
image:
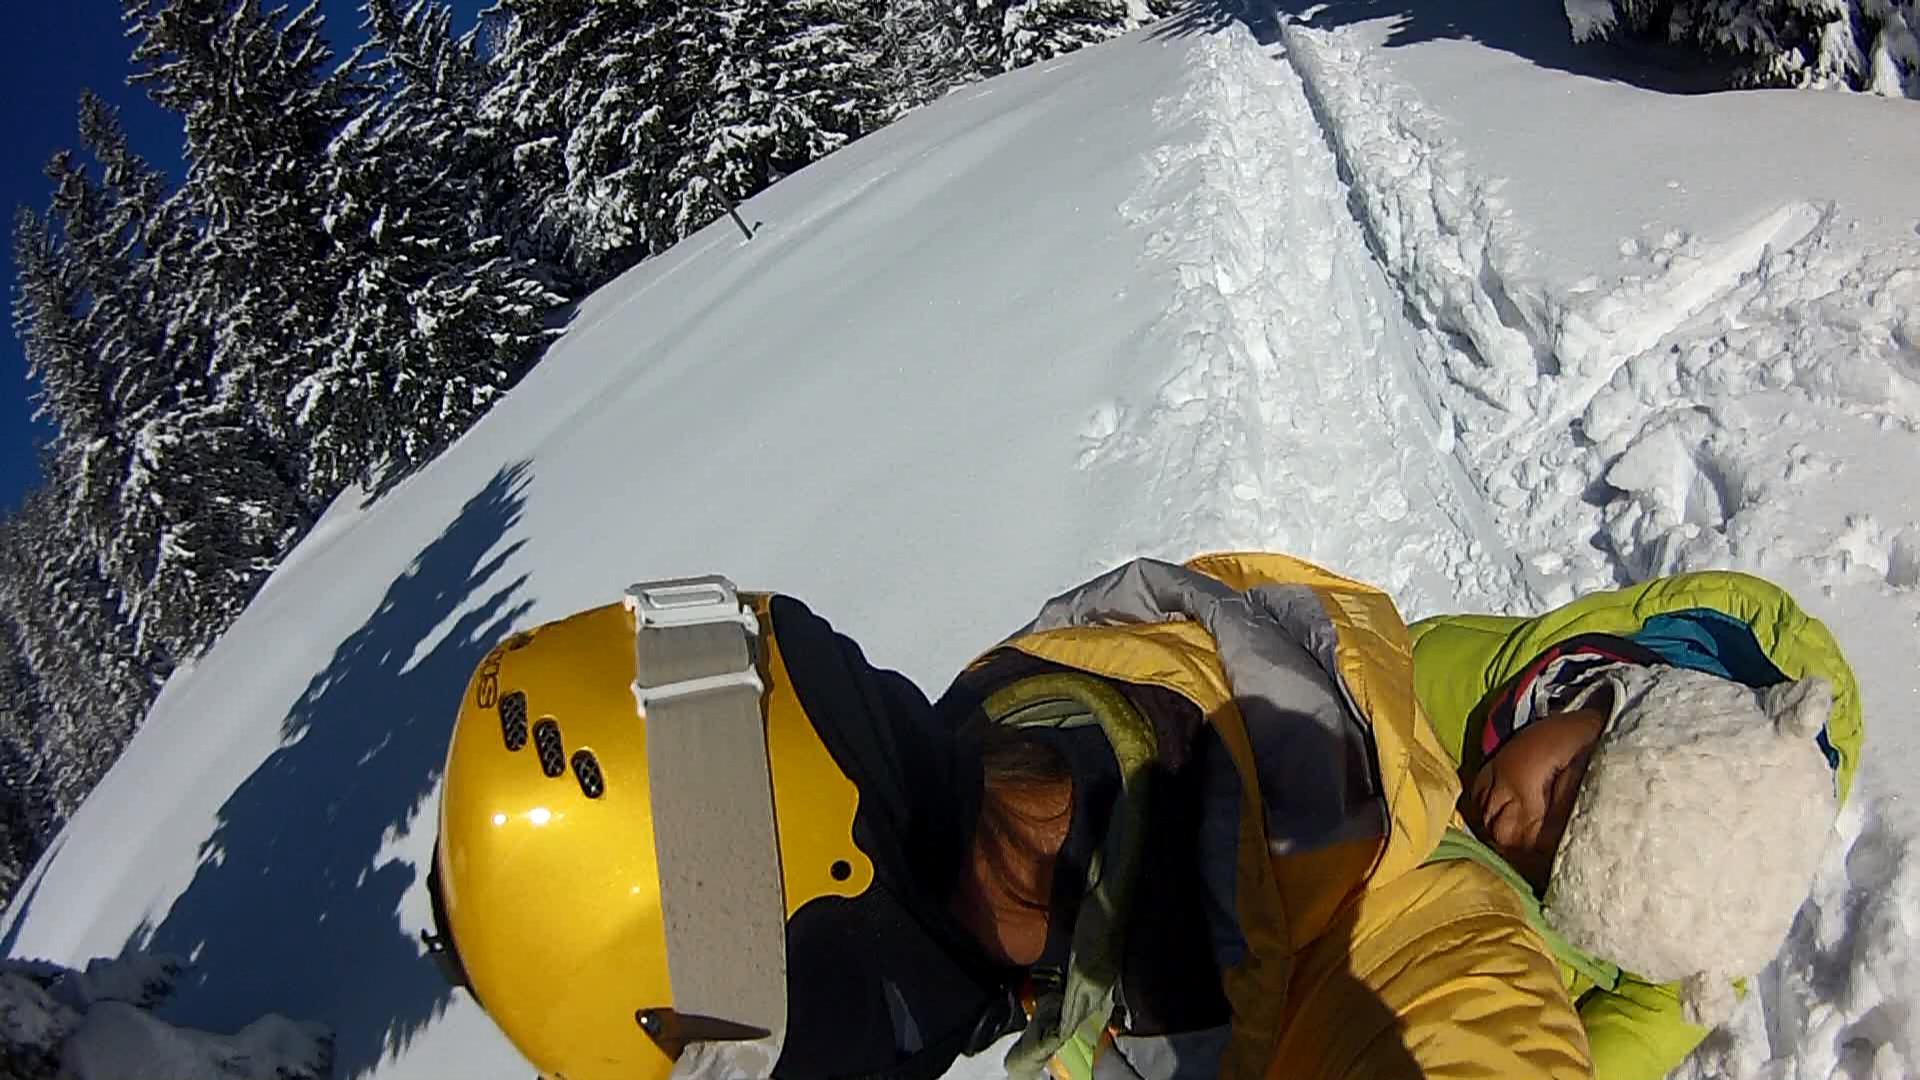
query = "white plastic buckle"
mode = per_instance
[
  {"x": 692, "y": 601},
  {"x": 678, "y": 603}
]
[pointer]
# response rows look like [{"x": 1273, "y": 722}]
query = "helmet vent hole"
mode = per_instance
[
  {"x": 586, "y": 769},
  {"x": 513, "y": 720},
  {"x": 841, "y": 870},
  {"x": 546, "y": 742}
]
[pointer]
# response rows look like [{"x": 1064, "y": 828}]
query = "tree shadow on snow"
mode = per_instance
[
  {"x": 1211, "y": 16},
  {"x": 288, "y": 912},
  {"x": 1536, "y": 31}
]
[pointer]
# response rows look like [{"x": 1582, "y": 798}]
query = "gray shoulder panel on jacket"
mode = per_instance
[{"x": 1312, "y": 749}]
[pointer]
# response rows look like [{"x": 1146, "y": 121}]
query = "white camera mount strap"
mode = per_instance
[{"x": 698, "y": 690}]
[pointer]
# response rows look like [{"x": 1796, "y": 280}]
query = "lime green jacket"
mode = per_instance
[{"x": 1731, "y": 624}]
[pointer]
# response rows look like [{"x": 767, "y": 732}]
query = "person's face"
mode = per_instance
[{"x": 1520, "y": 800}]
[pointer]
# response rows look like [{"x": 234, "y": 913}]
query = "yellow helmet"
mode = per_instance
[{"x": 645, "y": 839}]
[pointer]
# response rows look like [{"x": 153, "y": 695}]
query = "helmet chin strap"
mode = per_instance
[
  {"x": 697, "y": 687},
  {"x": 743, "y": 1060}
]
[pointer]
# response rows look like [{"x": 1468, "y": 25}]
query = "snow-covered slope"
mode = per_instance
[{"x": 1124, "y": 303}]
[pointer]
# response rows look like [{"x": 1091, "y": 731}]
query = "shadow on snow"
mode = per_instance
[
  {"x": 288, "y": 912},
  {"x": 1537, "y": 32},
  {"x": 22, "y": 905}
]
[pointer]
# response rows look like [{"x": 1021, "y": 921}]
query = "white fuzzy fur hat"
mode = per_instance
[{"x": 1696, "y": 834}]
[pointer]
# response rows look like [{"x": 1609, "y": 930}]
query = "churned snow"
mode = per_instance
[
  {"x": 1411, "y": 305},
  {"x": 96, "y": 1024}
]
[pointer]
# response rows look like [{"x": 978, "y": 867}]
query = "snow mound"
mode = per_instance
[
  {"x": 96, "y": 1025},
  {"x": 119, "y": 1042}
]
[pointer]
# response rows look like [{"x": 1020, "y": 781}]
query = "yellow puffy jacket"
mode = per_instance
[{"x": 1355, "y": 957}]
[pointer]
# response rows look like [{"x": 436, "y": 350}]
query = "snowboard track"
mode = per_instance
[{"x": 1292, "y": 415}]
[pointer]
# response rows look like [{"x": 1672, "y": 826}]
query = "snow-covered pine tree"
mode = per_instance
[
  {"x": 829, "y": 87},
  {"x": 783, "y": 83},
  {"x": 261, "y": 101},
  {"x": 118, "y": 248},
  {"x": 594, "y": 99},
  {"x": 628, "y": 122},
  {"x": 922, "y": 54},
  {"x": 65, "y": 623},
  {"x": 132, "y": 339},
  {"x": 71, "y": 314},
  {"x": 727, "y": 132},
  {"x": 526, "y": 102},
  {"x": 1893, "y": 47},
  {"x": 82, "y": 319},
  {"x": 20, "y": 842},
  {"x": 244, "y": 295},
  {"x": 979, "y": 25},
  {"x": 27, "y": 814},
  {"x": 229, "y": 515},
  {"x": 435, "y": 318},
  {"x": 49, "y": 319},
  {"x": 1869, "y": 45},
  {"x": 48, "y": 637},
  {"x": 117, "y": 320},
  {"x": 1039, "y": 30},
  {"x": 1001, "y": 35}
]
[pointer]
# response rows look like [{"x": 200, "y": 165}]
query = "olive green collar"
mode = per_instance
[{"x": 1072, "y": 1008}]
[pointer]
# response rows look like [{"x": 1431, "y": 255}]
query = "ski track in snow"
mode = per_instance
[{"x": 1290, "y": 418}]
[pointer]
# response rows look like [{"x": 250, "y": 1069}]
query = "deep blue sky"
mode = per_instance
[{"x": 51, "y": 50}]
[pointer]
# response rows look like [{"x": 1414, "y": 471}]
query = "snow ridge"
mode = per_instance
[
  {"x": 1290, "y": 418},
  {"x": 1438, "y": 230}
]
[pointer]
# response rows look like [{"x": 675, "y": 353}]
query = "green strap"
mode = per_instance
[
  {"x": 1458, "y": 845},
  {"x": 1077, "y": 1056},
  {"x": 1072, "y": 1013}
]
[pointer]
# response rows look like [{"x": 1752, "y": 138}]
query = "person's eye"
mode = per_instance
[{"x": 1551, "y": 789}]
